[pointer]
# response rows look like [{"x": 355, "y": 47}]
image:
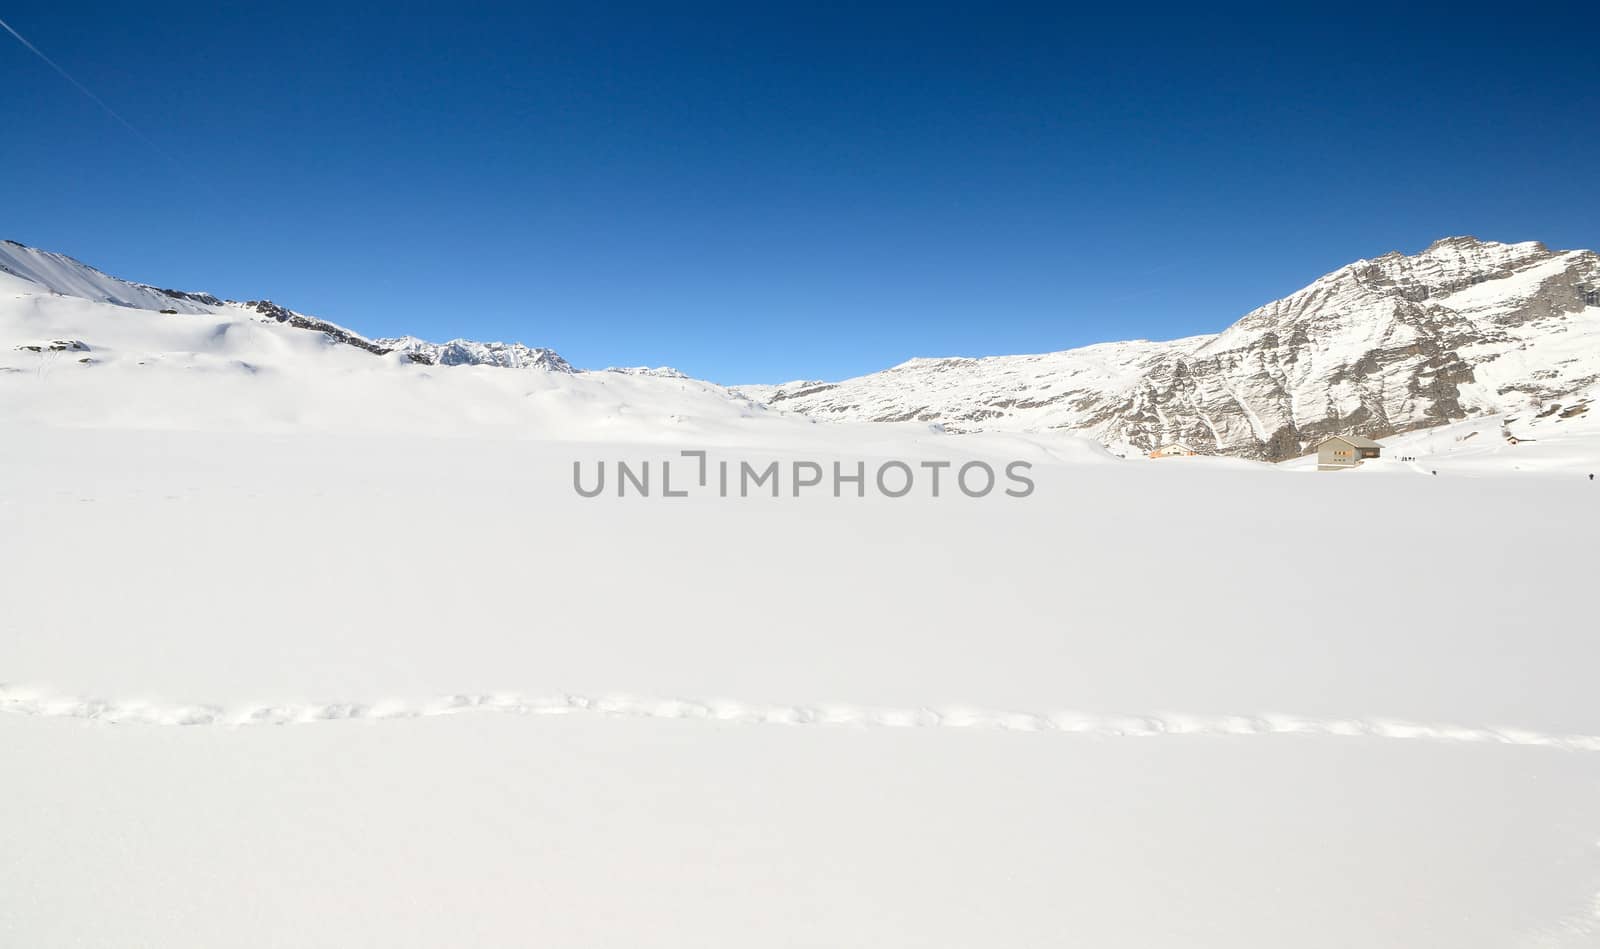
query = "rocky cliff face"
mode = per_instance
[{"x": 1378, "y": 347}]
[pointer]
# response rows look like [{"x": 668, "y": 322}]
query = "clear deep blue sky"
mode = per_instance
[{"x": 760, "y": 192}]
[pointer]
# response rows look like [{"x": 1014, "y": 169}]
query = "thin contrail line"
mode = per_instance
[{"x": 83, "y": 88}]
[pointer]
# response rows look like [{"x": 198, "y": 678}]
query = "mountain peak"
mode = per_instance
[
  {"x": 1462, "y": 240},
  {"x": 55, "y": 273},
  {"x": 1377, "y": 347},
  {"x": 466, "y": 352},
  {"x": 69, "y": 277},
  {"x": 1467, "y": 245}
]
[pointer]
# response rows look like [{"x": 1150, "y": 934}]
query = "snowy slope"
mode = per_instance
[
  {"x": 58, "y": 273},
  {"x": 72, "y": 362},
  {"x": 32, "y": 271},
  {"x": 66, "y": 361},
  {"x": 306, "y": 644},
  {"x": 1465, "y": 327},
  {"x": 322, "y": 688},
  {"x": 1559, "y": 439}
]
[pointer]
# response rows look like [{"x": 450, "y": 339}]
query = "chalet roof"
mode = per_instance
[{"x": 1354, "y": 441}]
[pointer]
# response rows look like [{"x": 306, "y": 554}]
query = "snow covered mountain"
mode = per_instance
[
  {"x": 466, "y": 352},
  {"x": 662, "y": 372},
  {"x": 1464, "y": 328},
  {"x": 265, "y": 679},
  {"x": 60, "y": 274},
  {"x": 82, "y": 349},
  {"x": 44, "y": 271}
]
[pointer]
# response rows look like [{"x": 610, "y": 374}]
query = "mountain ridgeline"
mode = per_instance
[
  {"x": 1375, "y": 348},
  {"x": 64, "y": 276},
  {"x": 1379, "y": 347}
]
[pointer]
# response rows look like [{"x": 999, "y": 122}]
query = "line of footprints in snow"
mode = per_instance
[{"x": 32, "y": 703}]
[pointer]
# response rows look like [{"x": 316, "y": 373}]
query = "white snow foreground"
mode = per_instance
[{"x": 1201, "y": 702}]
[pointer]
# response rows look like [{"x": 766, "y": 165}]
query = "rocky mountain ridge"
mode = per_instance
[
  {"x": 66, "y": 276},
  {"x": 466, "y": 352},
  {"x": 1377, "y": 347}
]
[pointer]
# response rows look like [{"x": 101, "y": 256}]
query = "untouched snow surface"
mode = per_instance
[{"x": 306, "y": 646}]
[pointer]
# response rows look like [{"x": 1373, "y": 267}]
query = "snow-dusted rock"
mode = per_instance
[
  {"x": 466, "y": 352},
  {"x": 1380, "y": 346},
  {"x": 660, "y": 372},
  {"x": 61, "y": 274},
  {"x": 45, "y": 271},
  {"x": 1465, "y": 328}
]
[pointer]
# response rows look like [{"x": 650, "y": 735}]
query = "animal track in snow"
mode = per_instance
[{"x": 20, "y": 701}]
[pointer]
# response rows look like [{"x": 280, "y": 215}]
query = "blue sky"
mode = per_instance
[{"x": 762, "y": 192}]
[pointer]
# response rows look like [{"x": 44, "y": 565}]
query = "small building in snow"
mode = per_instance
[
  {"x": 1173, "y": 450},
  {"x": 1345, "y": 451}
]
